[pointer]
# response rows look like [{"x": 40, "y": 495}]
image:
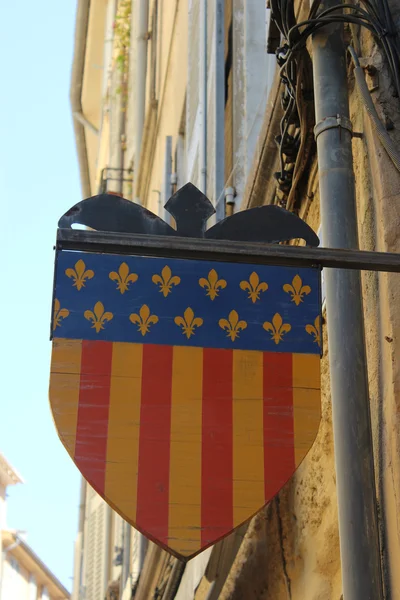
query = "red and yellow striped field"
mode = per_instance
[{"x": 185, "y": 443}]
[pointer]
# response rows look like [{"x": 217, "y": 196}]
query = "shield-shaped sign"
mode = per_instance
[{"x": 187, "y": 392}]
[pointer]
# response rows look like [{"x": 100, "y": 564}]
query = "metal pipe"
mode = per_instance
[
  {"x": 219, "y": 107},
  {"x": 83, "y": 120},
  {"x": 358, "y": 522},
  {"x": 108, "y": 518},
  {"x": 224, "y": 250},
  {"x": 78, "y": 65},
  {"x": 142, "y": 25},
  {"x": 106, "y": 84},
  {"x": 117, "y": 142},
  {"x": 203, "y": 95},
  {"x": 108, "y": 52},
  {"x": 81, "y": 529},
  {"x": 229, "y": 207},
  {"x": 126, "y": 556},
  {"x": 211, "y": 590},
  {"x": 121, "y": 133},
  {"x": 174, "y": 580},
  {"x": 116, "y": 116}
]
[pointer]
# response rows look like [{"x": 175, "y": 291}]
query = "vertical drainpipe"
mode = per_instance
[
  {"x": 219, "y": 109},
  {"x": 358, "y": 523},
  {"x": 203, "y": 95},
  {"x": 121, "y": 102},
  {"x": 78, "y": 66},
  {"x": 140, "y": 44},
  {"x": 122, "y": 127},
  {"x": 108, "y": 80},
  {"x": 117, "y": 125},
  {"x": 229, "y": 201},
  {"x": 126, "y": 556},
  {"x": 81, "y": 530}
]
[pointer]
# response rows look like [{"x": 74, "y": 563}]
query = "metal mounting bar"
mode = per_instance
[
  {"x": 83, "y": 121},
  {"x": 225, "y": 251}
]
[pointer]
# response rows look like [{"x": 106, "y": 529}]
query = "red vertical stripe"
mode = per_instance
[
  {"x": 92, "y": 422},
  {"x": 154, "y": 441},
  {"x": 217, "y": 450},
  {"x": 279, "y": 462}
]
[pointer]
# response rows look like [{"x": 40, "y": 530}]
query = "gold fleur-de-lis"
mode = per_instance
[
  {"x": 144, "y": 319},
  {"x": 188, "y": 322},
  {"x": 166, "y": 280},
  {"x": 98, "y": 316},
  {"x": 59, "y": 314},
  {"x": 277, "y": 328},
  {"x": 233, "y": 326},
  {"x": 79, "y": 274},
  {"x": 297, "y": 290},
  {"x": 212, "y": 284},
  {"x": 315, "y": 330},
  {"x": 123, "y": 277},
  {"x": 254, "y": 286}
]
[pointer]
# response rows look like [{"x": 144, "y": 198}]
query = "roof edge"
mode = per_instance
[
  {"x": 32, "y": 554},
  {"x": 7, "y": 472}
]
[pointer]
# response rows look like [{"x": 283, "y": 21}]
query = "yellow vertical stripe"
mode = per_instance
[
  {"x": 306, "y": 402},
  {"x": 185, "y": 450},
  {"x": 248, "y": 440},
  {"x": 64, "y": 389},
  {"x": 123, "y": 428}
]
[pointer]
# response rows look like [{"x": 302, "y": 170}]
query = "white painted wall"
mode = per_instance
[
  {"x": 16, "y": 583},
  {"x": 3, "y": 507}
]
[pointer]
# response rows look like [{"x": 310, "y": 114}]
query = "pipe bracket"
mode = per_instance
[{"x": 339, "y": 121}]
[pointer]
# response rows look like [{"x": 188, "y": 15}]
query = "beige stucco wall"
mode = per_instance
[{"x": 378, "y": 195}]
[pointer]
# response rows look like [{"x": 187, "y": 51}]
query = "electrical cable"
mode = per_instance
[
  {"x": 369, "y": 106},
  {"x": 373, "y": 15}
]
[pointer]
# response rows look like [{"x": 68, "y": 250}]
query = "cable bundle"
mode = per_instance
[{"x": 292, "y": 56}]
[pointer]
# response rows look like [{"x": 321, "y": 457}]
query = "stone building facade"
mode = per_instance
[{"x": 170, "y": 91}]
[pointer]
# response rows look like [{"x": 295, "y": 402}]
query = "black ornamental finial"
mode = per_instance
[{"x": 191, "y": 210}]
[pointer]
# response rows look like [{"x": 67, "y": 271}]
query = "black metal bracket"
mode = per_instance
[
  {"x": 225, "y": 251},
  {"x": 191, "y": 210},
  {"x": 251, "y": 236}
]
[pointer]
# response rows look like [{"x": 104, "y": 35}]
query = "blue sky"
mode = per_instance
[{"x": 39, "y": 180}]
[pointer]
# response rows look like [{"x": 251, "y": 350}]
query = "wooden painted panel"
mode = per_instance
[
  {"x": 216, "y": 487},
  {"x": 186, "y": 303},
  {"x": 64, "y": 388},
  {"x": 185, "y": 451},
  {"x": 248, "y": 435},
  {"x": 306, "y": 402},
  {"x": 186, "y": 392},
  {"x": 124, "y": 426}
]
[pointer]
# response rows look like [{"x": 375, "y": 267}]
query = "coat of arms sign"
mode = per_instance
[{"x": 185, "y": 388}]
